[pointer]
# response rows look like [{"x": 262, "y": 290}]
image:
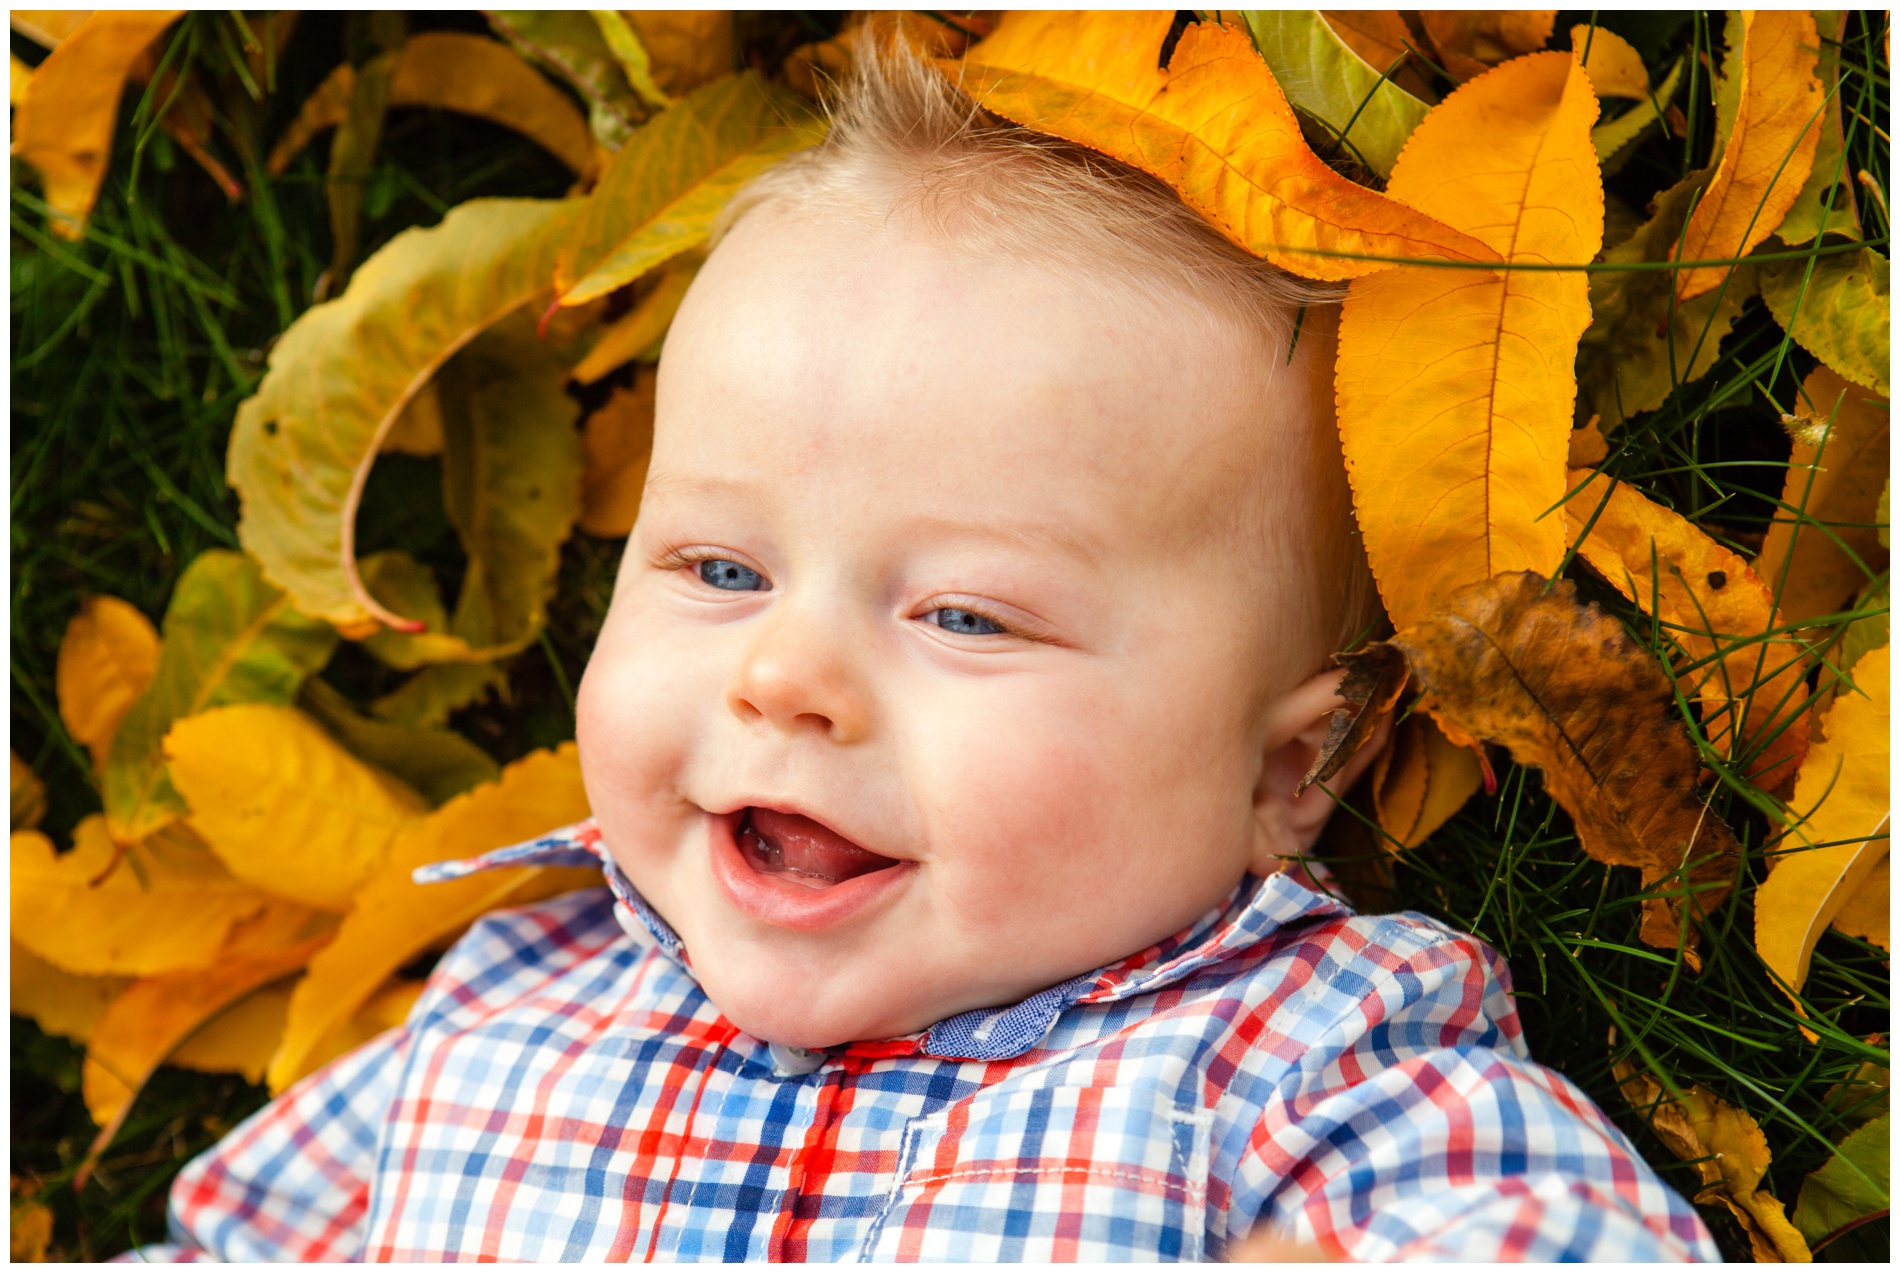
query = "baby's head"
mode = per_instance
[{"x": 971, "y": 635}]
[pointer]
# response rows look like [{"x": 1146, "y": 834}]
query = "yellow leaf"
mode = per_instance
[
  {"x": 1455, "y": 387},
  {"x": 47, "y": 27},
  {"x": 439, "y": 763},
  {"x": 394, "y": 919},
  {"x": 569, "y": 43},
  {"x": 229, "y": 638},
  {"x": 642, "y": 327},
  {"x": 1472, "y": 41},
  {"x": 64, "y": 121},
  {"x": 29, "y": 794},
  {"x": 386, "y": 1009},
  {"x": 168, "y": 904},
  {"x": 1614, "y": 66},
  {"x": 1713, "y": 605},
  {"x": 1611, "y": 138},
  {"x": 109, "y": 656},
  {"x": 1826, "y": 203},
  {"x": 426, "y": 700},
  {"x": 146, "y": 1023},
  {"x": 1825, "y": 541},
  {"x": 685, "y": 47},
  {"x": 1095, "y": 80},
  {"x": 1837, "y": 826},
  {"x": 631, "y": 53},
  {"x": 1840, "y": 310},
  {"x": 31, "y": 1221},
  {"x": 63, "y": 1003},
  {"x": 283, "y": 805},
  {"x": 1867, "y": 912},
  {"x": 618, "y": 443},
  {"x": 1770, "y": 150},
  {"x": 20, "y": 75},
  {"x": 1729, "y": 1153},
  {"x": 241, "y": 1038},
  {"x": 452, "y": 70},
  {"x": 342, "y": 373},
  {"x": 662, "y": 192},
  {"x": 1422, "y": 780},
  {"x": 418, "y": 430}
]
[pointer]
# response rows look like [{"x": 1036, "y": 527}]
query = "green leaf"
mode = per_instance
[
  {"x": 1837, "y": 1194},
  {"x": 426, "y": 700},
  {"x": 631, "y": 53},
  {"x": 569, "y": 43},
  {"x": 662, "y": 192},
  {"x": 229, "y": 638},
  {"x": 511, "y": 477},
  {"x": 1322, "y": 76},
  {"x": 1612, "y": 138},
  {"x": 341, "y": 375},
  {"x": 1842, "y": 318},
  {"x": 440, "y": 764},
  {"x": 1641, "y": 343}
]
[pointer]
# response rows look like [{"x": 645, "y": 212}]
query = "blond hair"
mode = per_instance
[{"x": 905, "y": 141}]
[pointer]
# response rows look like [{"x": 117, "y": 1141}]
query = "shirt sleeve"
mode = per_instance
[
  {"x": 1419, "y": 1130},
  {"x": 290, "y": 1183}
]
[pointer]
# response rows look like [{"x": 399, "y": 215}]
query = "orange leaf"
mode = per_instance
[
  {"x": 1715, "y": 607},
  {"x": 1770, "y": 150},
  {"x": 1614, "y": 66},
  {"x": 643, "y": 326},
  {"x": 1455, "y": 387},
  {"x": 109, "y": 656},
  {"x": 685, "y": 47},
  {"x": 618, "y": 442},
  {"x": 1213, "y": 124},
  {"x": 1835, "y": 477},
  {"x": 63, "y": 125},
  {"x": 1422, "y": 780},
  {"x": 1472, "y": 41}
]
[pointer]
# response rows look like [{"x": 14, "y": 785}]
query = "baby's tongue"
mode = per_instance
[{"x": 803, "y": 851}]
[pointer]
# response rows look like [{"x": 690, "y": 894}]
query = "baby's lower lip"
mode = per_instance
[{"x": 790, "y": 872}]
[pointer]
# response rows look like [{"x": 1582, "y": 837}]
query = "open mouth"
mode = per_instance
[{"x": 801, "y": 851}]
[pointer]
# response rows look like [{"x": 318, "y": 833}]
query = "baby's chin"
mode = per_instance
[{"x": 781, "y": 1010}]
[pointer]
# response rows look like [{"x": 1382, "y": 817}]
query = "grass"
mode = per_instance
[{"x": 133, "y": 348}]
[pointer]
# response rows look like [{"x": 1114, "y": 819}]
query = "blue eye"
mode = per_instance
[
  {"x": 731, "y": 576},
  {"x": 965, "y": 622}
]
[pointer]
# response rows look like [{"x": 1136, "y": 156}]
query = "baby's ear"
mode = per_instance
[{"x": 1286, "y": 825}]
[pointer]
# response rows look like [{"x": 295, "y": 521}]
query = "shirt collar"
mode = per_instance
[{"x": 1254, "y": 911}]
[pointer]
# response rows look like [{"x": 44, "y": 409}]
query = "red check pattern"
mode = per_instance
[{"x": 563, "y": 1090}]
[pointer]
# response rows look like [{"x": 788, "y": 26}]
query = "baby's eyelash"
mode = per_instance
[{"x": 681, "y": 556}]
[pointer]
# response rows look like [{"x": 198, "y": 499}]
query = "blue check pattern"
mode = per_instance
[{"x": 564, "y": 1090}]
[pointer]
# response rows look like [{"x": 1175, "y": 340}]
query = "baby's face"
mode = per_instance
[{"x": 936, "y": 672}]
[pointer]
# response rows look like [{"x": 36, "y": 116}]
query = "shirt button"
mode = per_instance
[{"x": 790, "y": 1062}]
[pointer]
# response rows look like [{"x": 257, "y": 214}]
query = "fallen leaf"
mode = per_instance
[
  {"x": 1641, "y": 343},
  {"x": 1374, "y": 678},
  {"x": 29, "y": 793},
  {"x": 342, "y": 373},
  {"x": 1769, "y": 152},
  {"x": 1095, "y": 79},
  {"x": 641, "y": 328},
  {"x": 631, "y": 52},
  {"x": 1839, "y": 311},
  {"x": 1729, "y": 1153},
  {"x": 1613, "y": 138},
  {"x": 1455, "y": 387},
  {"x": 1711, "y": 604},
  {"x": 453, "y": 70},
  {"x": 386, "y": 1009},
  {"x": 685, "y": 47},
  {"x": 418, "y": 429},
  {"x": 30, "y": 1230},
  {"x": 19, "y": 75},
  {"x": 240, "y": 1039},
  {"x": 1614, "y": 66},
  {"x": 569, "y": 43},
  {"x": 1851, "y": 1188},
  {"x": 1518, "y": 660},
  {"x": 108, "y": 657},
  {"x": 1824, "y": 543},
  {"x": 1382, "y": 40},
  {"x": 427, "y": 699},
  {"x": 1421, "y": 781},
  {"x": 60, "y": 1002},
  {"x": 283, "y": 805},
  {"x": 229, "y": 638},
  {"x": 168, "y": 905},
  {"x": 439, "y": 763},
  {"x": 1339, "y": 78},
  {"x": 1472, "y": 41},
  {"x": 1588, "y": 446},
  {"x": 1837, "y": 828},
  {"x": 146, "y": 1023},
  {"x": 618, "y": 442},
  {"x": 1826, "y": 202},
  {"x": 394, "y": 919},
  {"x": 64, "y": 122},
  {"x": 662, "y": 192},
  {"x": 812, "y": 67},
  {"x": 47, "y": 27},
  {"x": 1866, "y": 913}
]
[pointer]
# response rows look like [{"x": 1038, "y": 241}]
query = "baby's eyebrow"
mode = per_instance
[{"x": 1037, "y": 535}]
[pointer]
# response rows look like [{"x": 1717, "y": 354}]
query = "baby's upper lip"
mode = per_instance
[{"x": 778, "y": 804}]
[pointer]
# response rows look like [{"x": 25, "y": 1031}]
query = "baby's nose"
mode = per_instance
[{"x": 795, "y": 679}]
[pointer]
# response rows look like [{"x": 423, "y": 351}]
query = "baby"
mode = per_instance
[{"x": 942, "y": 742}]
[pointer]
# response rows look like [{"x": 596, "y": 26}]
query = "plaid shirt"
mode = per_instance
[{"x": 564, "y": 1090}]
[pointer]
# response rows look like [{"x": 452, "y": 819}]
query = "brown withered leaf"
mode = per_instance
[
  {"x": 1374, "y": 677},
  {"x": 1520, "y": 661}
]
